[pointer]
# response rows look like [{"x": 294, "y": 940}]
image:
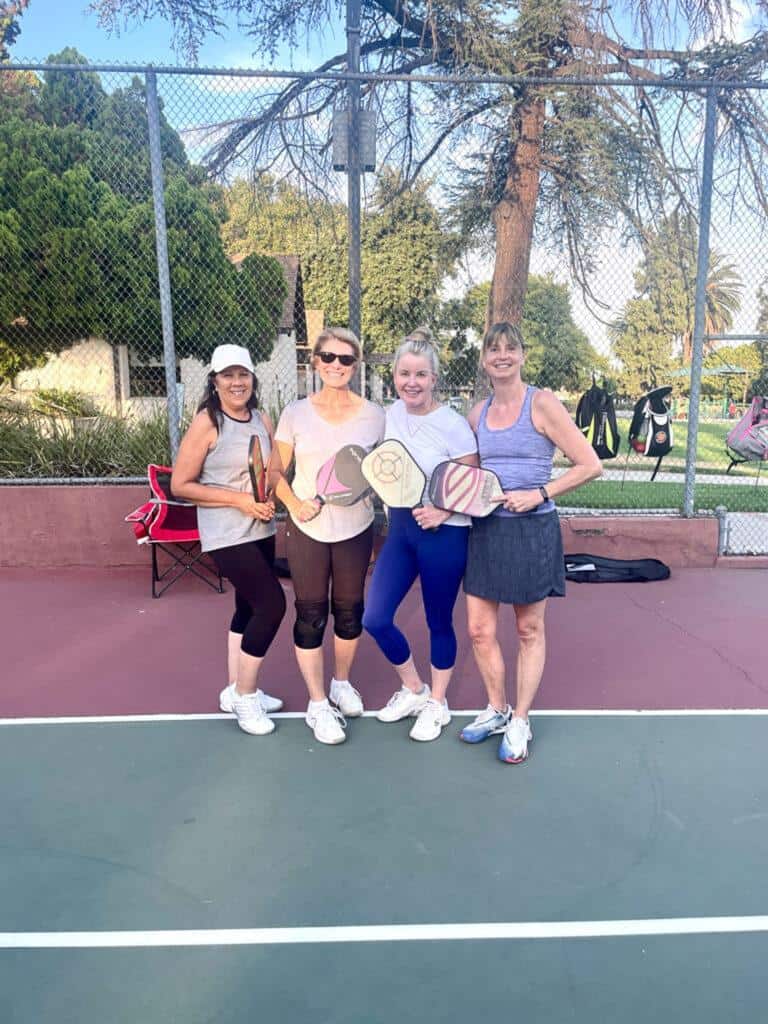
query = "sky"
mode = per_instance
[
  {"x": 44, "y": 21},
  {"x": 48, "y": 26}
]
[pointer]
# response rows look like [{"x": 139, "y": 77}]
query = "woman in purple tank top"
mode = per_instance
[{"x": 516, "y": 554}]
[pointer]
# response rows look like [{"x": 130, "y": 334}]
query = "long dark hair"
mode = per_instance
[{"x": 211, "y": 403}]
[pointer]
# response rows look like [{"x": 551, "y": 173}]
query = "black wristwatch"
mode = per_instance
[{"x": 543, "y": 493}]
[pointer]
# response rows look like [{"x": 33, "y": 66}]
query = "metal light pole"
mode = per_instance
[
  {"x": 702, "y": 269},
  {"x": 163, "y": 273},
  {"x": 353, "y": 165}
]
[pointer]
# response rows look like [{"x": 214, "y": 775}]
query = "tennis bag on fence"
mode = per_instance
[
  {"x": 650, "y": 432},
  {"x": 596, "y": 419},
  {"x": 748, "y": 440},
  {"x": 598, "y": 569}
]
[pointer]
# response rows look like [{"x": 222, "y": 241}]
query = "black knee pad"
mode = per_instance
[
  {"x": 348, "y": 619},
  {"x": 309, "y": 626}
]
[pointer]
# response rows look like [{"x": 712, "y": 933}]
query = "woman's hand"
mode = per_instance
[
  {"x": 263, "y": 510},
  {"x": 306, "y": 510},
  {"x": 522, "y": 501},
  {"x": 429, "y": 518}
]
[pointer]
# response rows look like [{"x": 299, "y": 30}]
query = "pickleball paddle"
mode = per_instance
[
  {"x": 256, "y": 469},
  {"x": 456, "y": 487},
  {"x": 394, "y": 475},
  {"x": 340, "y": 480}
]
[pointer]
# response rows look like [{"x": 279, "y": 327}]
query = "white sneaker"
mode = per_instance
[
  {"x": 251, "y": 716},
  {"x": 513, "y": 748},
  {"x": 346, "y": 698},
  {"x": 228, "y": 694},
  {"x": 430, "y": 721},
  {"x": 402, "y": 703},
  {"x": 327, "y": 723}
]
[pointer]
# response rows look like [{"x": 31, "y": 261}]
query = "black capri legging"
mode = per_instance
[
  {"x": 259, "y": 598},
  {"x": 314, "y": 564}
]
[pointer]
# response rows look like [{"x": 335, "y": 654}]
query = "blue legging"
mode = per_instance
[{"x": 438, "y": 557}]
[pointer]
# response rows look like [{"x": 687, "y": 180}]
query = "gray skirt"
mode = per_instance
[{"x": 515, "y": 559}]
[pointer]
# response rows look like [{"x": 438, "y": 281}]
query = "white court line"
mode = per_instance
[
  {"x": 384, "y": 933},
  {"x": 467, "y": 713}
]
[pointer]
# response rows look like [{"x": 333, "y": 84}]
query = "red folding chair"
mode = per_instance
[{"x": 170, "y": 526}]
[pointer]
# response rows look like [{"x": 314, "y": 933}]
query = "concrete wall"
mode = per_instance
[
  {"x": 677, "y": 542},
  {"x": 66, "y": 526},
  {"x": 87, "y": 367},
  {"x": 58, "y": 526}
]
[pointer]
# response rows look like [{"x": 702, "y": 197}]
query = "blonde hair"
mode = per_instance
[
  {"x": 338, "y": 334},
  {"x": 418, "y": 343}
]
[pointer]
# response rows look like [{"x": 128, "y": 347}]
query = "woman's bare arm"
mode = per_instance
[
  {"x": 194, "y": 447},
  {"x": 279, "y": 463}
]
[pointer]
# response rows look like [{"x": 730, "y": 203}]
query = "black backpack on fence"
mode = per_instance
[
  {"x": 596, "y": 419},
  {"x": 650, "y": 432},
  {"x": 599, "y": 569}
]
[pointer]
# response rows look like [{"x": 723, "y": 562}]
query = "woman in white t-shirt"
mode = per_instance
[
  {"x": 425, "y": 542},
  {"x": 327, "y": 545}
]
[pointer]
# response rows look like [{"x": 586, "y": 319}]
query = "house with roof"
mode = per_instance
[{"x": 120, "y": 379}]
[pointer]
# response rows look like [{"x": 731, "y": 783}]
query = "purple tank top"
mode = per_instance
[{"x": 519, "y": 455}]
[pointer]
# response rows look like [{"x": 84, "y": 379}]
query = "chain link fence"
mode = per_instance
[{"x": 257, "y": 234}]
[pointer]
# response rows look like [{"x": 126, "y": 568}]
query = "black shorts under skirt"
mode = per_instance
[{"x": 515, "y": 559}]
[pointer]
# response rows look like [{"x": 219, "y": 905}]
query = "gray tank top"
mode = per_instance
[
  {"x": 519, "y": 455},
  {"x": 226, "y": 465}
]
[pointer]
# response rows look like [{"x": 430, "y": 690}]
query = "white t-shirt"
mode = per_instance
[
  {"x": 314, "y": 441},
  {"x": 432, "y": 438}
]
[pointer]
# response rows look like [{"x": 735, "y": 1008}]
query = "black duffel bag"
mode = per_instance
[{"x": 598, "y": 569}]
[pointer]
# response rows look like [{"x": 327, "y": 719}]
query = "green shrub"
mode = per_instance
[
  {"x": 60, "y": 402},
  {"x": 37, "y": 445}
]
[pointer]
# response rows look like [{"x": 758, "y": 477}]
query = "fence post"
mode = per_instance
[
  {"x": 353, "y": 166},
  {"x": 702, "y": 269},
  {"x": 163, "y": 273}
]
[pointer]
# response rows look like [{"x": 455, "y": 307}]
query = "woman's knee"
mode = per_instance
[
  {"x": 481, "y": 632},
  {"x": 530, "y": 629},
  {"x": 377, "y": 619},
  {"x": 347, "y": 619},
  {"x": 309, "y": 627}
]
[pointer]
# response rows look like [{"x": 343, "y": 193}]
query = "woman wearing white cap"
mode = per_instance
[{"x": 238, "y": 531}]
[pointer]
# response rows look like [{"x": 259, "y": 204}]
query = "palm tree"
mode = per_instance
[{"x": 722, "y": 303}]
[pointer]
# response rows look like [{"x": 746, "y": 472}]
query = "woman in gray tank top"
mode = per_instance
[
  {"x": 516, "y": 554},
  {"x": 237, "y": 529}
]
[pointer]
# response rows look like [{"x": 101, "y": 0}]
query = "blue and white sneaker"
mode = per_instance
[
  {"x": 488, "y": 723},
  {"x": 513, "y": 748}
]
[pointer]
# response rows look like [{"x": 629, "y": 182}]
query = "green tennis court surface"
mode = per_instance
[{"x": 644, "y": 835}]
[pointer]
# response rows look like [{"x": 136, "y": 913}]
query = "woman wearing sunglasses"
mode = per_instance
[{"x": 327, "y": 546}]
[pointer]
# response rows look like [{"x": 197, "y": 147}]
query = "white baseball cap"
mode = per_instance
[{"x": 231, "y": 355}]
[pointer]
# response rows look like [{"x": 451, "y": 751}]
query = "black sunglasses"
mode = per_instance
[{"x": 345, "y": 360}]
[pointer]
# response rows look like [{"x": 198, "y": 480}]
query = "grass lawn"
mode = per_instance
[
  {"x": 640, "y": 494},
  {"x": 711, "y": 459},
  {"x": 711, "y": 456}
]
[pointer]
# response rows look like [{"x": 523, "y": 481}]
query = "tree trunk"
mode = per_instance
[
  {"x": 687, "y": 347},
  {"x": 513, "y": 217}
]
